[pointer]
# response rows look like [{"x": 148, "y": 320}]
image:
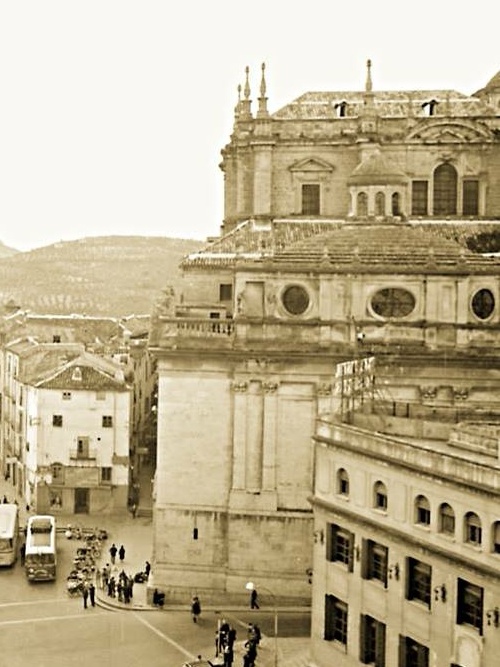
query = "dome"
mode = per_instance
[{"x": 376, "y": 169}]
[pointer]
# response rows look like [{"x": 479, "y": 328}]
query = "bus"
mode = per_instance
[
  {"x": 9, "y": 533},
  {"x": 40, "y": 557}
]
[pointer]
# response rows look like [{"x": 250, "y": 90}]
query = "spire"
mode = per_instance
[
  {"x": 368, "y": 114},
  {"x": 247, "y": 84},
  {"x": 246, "y": 102},
  {"x": 263, "y": 112},
  {"x": 238, "y": 104},
  {"x": 369, "y": 86}
]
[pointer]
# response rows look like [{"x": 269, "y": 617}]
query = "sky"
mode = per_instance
[{"x": 113, "y": 113}]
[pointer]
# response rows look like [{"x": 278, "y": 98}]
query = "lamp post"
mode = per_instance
[{"x": 250, "y": 586}]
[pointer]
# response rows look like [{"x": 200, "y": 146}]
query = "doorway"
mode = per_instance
[{"x": 81, "y": 501}]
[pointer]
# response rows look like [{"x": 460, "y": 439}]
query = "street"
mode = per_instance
[{"x": 41, "y": 625}]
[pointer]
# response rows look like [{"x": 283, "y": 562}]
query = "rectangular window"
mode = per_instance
[
  {"x": 372, "y": 642},
  {"x": 470, "y": 204},
  {"x": 56, "y": 338},
  {"x": 335, "y": 620},
  {"x": 419, "y": 197},
  {"x": 82, "y": 447},
  {"x": 57, "y": 420},
  {"x": 412, "y": 654},
  {"x": 340, "y": 545},
  {"x": 225, "y": 292},
  {"x": 66, "y": 395},
  {"x": 469, "y": 605},
  {"x": 107, "y": 421},
  {"x": 418, "y": 581},
  {"x": 310, "y": 199},
  {"x": 106, "y": 474},
  {"x": 374, "y": 561}
]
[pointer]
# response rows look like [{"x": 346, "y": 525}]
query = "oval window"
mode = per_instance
[
  {"x": 483, "y": 303},
  {"x": 295, "y": 299},
  {"x": 393, "y": 302}
]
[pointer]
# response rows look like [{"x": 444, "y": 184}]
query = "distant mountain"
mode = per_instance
[
  {"x": 5, "y": 251},
  {"x": 105, "y": 275}
]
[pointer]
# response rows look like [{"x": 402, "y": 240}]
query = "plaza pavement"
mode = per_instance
[{"x": 136, "y": 536}]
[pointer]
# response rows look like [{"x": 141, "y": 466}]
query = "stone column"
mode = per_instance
[{"x": 254, "y": 437}]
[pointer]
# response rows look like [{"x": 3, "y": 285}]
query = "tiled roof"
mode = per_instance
[
  {"x": 398, "y": 247},
  {"x": 398, "y": 104},
  {"x": 52, "y": 372},
  {"x": 254, "y": 240}
]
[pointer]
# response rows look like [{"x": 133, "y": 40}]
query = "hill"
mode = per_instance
[{"x": 105, "y": 275}]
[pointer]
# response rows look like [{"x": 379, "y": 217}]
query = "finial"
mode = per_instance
[
  {"x": 238, "y": 103},
  {"x": 263, "y": 81},
  {"x": 262, "y": 112},
  {"x": 247, "y": 84},
  {"x": 368, "y": 76}
]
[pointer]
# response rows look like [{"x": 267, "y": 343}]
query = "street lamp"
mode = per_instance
[{"x": 250, "y": 586}]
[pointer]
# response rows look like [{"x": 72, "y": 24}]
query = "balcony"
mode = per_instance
[
  {"x": 313, "y": 335},
  {"x": 87, "y": 455}
]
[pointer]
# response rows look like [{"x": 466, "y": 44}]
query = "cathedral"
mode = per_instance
[{"x": 360, "y": 230}]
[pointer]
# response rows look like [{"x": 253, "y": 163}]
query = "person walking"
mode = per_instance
[
  {"x": 195, "y": 608},
  {"x": 121, "y": 553},
  {"x": 112, "y": 552},
  {"x": 92, "y": 594},
  {"x": 147, "y": 569},
  {"x": 254, "y": 604},
  {"x": 85, "y": 593}
]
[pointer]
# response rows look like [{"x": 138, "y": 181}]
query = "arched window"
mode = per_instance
[
  {"x": 380, "y": 496},
  {"x": 396, "y": 204},
  {"x": 472, "y": 529},
  {"x": 380, "y": 203},
  {"x": 422, "y": 511},
  {"x": 445, "y": 190},
  {"x": 446, "y": 519},
  {"x": 495, "y": 537},
  {"x": 362, "y": 204},
  {"x": 342, "y": 482}
]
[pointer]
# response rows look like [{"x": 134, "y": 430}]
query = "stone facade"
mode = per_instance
[
  {"x": 417, "y": 574},
  {"x": 344, "y": 237}
]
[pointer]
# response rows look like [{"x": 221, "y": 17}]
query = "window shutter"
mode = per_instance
[
  {"x": 350, "y": 562},
  {"x": 402, "y": 651},
  {"x": 380, "y": 645},
  {"x": 365, "y": 557},
  {"x": 362, "y": 639},
  {"x": 330, "y": 538}
]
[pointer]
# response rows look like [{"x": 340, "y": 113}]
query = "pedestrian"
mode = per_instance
[
  {"x": 112, "y": 552},
  {"x": 257, "y": 635},
  {"x": 147, "y": 569},
  {"x": 121, "y": 553},
  {"x": 85, "y": 593},
  {"x": 195, "y": 608},
  {"x": 92, "y": 594},
  {"x": 22, "y": 551},
  {"x": 253, "y": 599},
  {"x": 228, "y": 656}
]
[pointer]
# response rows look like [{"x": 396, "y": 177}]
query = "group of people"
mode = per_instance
[
  {"x": 113, "y": 551},
  {"x": 88, "y": 593},
  {"x": 225, "y": 637},
  {"x": 119, "y": 585}
]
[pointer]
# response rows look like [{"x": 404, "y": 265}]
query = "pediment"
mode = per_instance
[
  {"x": 448, "y": 131},
  {"x": 311, "y": 164}
]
